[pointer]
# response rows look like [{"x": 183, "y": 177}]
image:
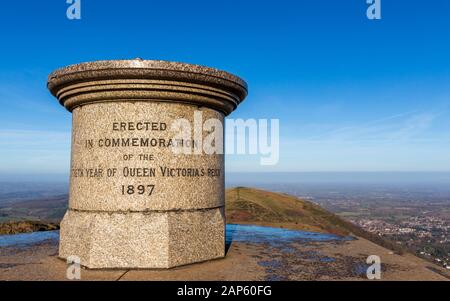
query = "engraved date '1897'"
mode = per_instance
[{"x": 138, "y": 189}]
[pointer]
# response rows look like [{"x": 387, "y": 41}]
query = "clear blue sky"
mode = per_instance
[{"x": 351, "y": 94}]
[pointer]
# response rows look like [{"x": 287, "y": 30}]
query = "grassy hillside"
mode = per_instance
[
  {"x": 26, "y": 226},
  {"x": 253, "y": 206}
]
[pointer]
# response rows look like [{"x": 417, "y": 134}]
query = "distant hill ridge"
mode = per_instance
[{"x": 253, "y": 206}]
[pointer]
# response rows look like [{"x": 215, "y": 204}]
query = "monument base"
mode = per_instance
[{"x": 142, "y": 239}]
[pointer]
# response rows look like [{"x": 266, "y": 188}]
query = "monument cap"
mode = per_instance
[
  {"x": 134, "y": 202},
  {"x": 146, "y": 80}
]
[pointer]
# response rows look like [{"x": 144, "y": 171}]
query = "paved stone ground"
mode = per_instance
[{"x": 297, "y": 260}]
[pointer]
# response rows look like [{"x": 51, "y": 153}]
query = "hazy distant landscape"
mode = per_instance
[
  {"x": 32, "y": 201},
  {"x": 410, "y": 209}
]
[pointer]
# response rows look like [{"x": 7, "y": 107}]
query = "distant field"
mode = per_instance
[{"x": 50, "y": 209}]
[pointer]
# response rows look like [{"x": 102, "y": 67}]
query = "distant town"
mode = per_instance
[
  {"x": 429, "y": 236},
  {"x": 415, "y": 216}
]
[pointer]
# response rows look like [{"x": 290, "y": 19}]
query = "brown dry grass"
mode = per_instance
[{"x": 253, "y": 206}]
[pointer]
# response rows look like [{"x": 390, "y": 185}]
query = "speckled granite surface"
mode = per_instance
[
  {"x": 134, "y": 203},
  {"x": 143, "y": 240}
]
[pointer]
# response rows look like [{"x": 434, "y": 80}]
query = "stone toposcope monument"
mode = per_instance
[{"x": 134, "y": 201}]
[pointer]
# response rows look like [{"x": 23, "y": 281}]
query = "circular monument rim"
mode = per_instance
[
  {"x": 139, "y": 74},
  {"x": 143, "y": 64}
]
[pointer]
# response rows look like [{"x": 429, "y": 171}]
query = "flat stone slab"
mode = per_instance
[{"x": 264, "y": 257}]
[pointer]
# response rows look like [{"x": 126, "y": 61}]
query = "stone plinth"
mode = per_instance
[{"x": 134, "y": 201}]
